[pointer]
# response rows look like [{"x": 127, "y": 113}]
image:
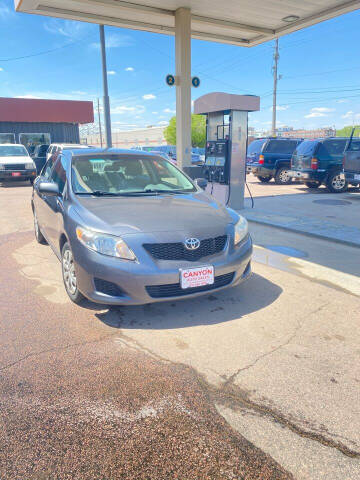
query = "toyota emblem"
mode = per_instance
[{"x": 192, "y": 243}]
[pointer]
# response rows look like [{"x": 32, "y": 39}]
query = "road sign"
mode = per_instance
[
  {"x": 195, "y": 81},
  {"x": 170, "y": 80}
]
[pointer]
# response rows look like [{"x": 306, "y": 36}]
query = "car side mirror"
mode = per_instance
[
  {"x": 49, "y": 189},
  {"x": 201, "y": 183}
]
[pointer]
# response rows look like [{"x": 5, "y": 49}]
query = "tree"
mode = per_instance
[
  {"x": 198, "y": 131},
  {"x": 346, "y": 131}
]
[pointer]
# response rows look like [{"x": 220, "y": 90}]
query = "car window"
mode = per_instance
[
  {"x": 332, "y": 147},
  {"x": 119, "y": 174},
  {"x": 307, "y": 147},
  {"x": 13, "y": 151},
  {"x": 58, "y": 173},
  {"x": 354, "y": 145},
  {"x": 281, "y": 146},
  {"x": 255, "y": 146},
  {"x": 45, "y": 172}
]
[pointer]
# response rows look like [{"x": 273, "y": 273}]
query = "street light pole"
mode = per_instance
[
  {"x": 107, "y": 116},
  {"x": 99, "y": 120}
]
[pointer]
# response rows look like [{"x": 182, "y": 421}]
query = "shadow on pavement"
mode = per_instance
[
  {"x": 215, "y": 308},
  {"x": 15, "y": 184}
]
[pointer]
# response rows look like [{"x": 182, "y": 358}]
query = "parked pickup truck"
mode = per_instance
[
  {"x": 351, "y": 161},
  {"x": 319, "y": 161},
  {"x": 270, "y": 158}
]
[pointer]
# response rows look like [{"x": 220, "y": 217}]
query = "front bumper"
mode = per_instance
[
  {"x": 17, "y": 174},
  {"x": 134, "y": 278}
]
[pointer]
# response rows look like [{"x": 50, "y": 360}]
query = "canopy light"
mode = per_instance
[{"x": 290, "y": 18}]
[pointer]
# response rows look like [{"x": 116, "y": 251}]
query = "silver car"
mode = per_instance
[{"x": 130, "y": 228}]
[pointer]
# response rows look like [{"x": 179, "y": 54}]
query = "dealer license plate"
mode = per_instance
[
  {"x": 197, "y": 277},
  {"x": 356, "y": 177},
  {"x": 16, "y": 174}
]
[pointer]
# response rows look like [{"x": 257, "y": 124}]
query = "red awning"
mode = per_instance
[{"x": 50, "y": 111}]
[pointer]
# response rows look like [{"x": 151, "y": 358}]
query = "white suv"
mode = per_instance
[{"x": 16, "y": 163}]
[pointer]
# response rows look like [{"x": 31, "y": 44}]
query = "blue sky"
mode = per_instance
[{"x": 320, "y": 68}]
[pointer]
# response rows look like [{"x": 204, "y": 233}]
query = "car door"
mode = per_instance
[
  {"x": 38, "y": 198},
  {"x": 53, "y": 206}
]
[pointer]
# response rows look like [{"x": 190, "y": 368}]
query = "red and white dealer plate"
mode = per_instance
[{"x": 197, "y": 277}]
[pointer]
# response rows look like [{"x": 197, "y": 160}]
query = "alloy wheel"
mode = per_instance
[
  {"x": 69, "y": 272},
  {"x": 338, "y": 182}
]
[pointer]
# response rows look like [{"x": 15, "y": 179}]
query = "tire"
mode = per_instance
[
  {"x": 38, "y": 235},
  {"x": 282, "y": 176},
  {"x": 312, "y": 184},
  {"x": 264, "y": 179},
  {"x": 336, "y": 184},
  {"x": 69, "y": 276}
]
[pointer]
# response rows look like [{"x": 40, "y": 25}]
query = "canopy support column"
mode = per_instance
[{"x": 183, "y": 86}]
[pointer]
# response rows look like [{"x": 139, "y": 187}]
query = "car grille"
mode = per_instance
[
  {"x": 177, "y": 251},
  {"x": 175, "y": 290},
  {"x": 17, "y": 166}
]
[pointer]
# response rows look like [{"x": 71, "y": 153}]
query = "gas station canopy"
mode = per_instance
[{"x": 238, "y": 22}]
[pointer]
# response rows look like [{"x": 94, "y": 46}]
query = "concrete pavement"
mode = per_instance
[{"x": 231, "y": 385}]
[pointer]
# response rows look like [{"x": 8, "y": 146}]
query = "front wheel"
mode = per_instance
[
  {"x": 69, "y": 275},
  {"x": 264, "y": 179},
  {"x": 312, "y": 184},
  {"x": 282, "y": 176},
  {"x": 336, "y": 183}
]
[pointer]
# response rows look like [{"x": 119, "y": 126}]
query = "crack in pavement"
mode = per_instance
[
  {"x": 232, "y": 377},
  {"x": 54, "y": 349}
]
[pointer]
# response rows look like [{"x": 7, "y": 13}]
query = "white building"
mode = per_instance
[{"x": 131, "y": 138}]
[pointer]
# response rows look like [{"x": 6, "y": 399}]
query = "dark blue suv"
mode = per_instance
[{"x": 269, "y": 158}]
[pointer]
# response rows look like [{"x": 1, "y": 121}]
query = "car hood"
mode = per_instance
[
  {"x": 192, "y": 214},
  {"x": 11, "y": 160}
]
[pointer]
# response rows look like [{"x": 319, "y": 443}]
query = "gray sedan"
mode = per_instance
[{"x": 130, "y": 228}]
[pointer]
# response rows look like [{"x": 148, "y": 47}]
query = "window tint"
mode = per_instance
[
  {"x": 332, "y": 147},
  {"x": 58, "y": 174},
  {"x": 354, "y": 145},
  {"x": 255, "y": 146},
  {"x": 281, "y": 146},
  {"x": 307, "y": 147}
]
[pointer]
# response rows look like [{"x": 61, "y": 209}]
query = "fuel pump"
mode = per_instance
[{"x": 226, "y": 143}]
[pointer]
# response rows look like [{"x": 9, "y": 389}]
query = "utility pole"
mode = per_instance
[
  {"x": 275, "y": 73},
  {"x": 106, "y": 105},
  {"x": 99, "y": 120}
]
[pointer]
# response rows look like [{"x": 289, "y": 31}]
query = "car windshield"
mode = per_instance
[
  {"x": 306, "y": 148},
  {"x": 127, "y": 175},
  {"x": 13, "y": 151}
]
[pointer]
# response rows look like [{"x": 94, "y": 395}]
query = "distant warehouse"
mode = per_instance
[{"x": 36, "y": 121}]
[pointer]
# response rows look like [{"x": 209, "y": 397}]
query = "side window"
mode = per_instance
[
  {"x": 58, "y": 174},
  {"x": 355, "y": 145},
  {"x": 331, "y": 148},
  {"x": 45, "y": 172}
]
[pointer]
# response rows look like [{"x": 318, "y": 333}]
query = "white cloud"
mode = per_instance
[
  {"x": 66, "y": 28},
  {"x": 1, "y": 69},
  {"x": 149, "y": 96},
  {"x": 129, "y": 69},
  {"x": 168, "y": 110},
  {"x": 319, "y": 112},
  {"x": 28, "y": 95},
  {"x": 155, "y": 113},
  {"x": 78, "y": 92},
  {"x": 129, "y": 109},
  {"x": 111, "y": 72},
  {"x": 342, "y": 100},
  {"x": 163, "y": 122},
  {"x": 350, "y": 114},
  {"x": 115, "y": 40}
]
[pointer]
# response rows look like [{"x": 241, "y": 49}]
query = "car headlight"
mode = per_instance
[
  {"x": 241, "y": 230},
  {"x": 105, "y": 244},
  {"x": 30, "y": 166}
]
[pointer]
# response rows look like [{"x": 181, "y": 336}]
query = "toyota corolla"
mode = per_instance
[{"x": 130, "y": 228}]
